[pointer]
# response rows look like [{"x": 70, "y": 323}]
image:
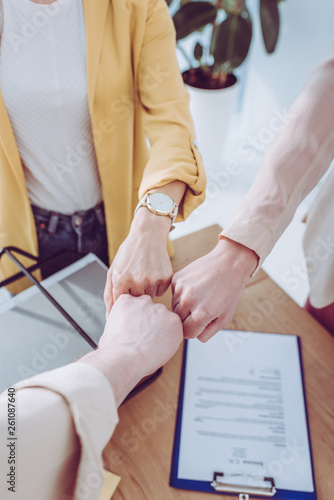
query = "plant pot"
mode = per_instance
[{"x": 212, "y": 110}]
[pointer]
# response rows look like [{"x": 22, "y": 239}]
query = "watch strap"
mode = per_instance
[{"x": 143, "y": 203}]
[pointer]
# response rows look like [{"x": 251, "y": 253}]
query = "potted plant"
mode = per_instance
[{"x": 224, "y": 29}]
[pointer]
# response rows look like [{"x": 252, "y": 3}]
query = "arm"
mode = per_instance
[
  {"x": 299, "y": 156},
  {"x": 167, "y": 122},
  {"x": 142, "y": 265},
  {"x": 207, "y": 292},
  {"x": 174, "y": 167},
  {"x": 66, "y": 417}
]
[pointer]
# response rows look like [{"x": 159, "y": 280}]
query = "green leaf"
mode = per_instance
[
  {"x": 198, "y": 51},
  {"x": 231, "y": 41},
  {"x": 270, "y": 23},
  {"x": 193, "y": 16}
]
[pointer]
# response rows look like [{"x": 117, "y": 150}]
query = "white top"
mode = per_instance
[{"x": 44, "y": 86}]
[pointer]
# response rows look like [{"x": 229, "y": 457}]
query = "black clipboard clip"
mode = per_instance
[{"x": 252, "y": 485}]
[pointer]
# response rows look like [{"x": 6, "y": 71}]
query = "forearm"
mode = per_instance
[
  {"x": 297, "y": 159},
  {"x": 119, "y": 366},
  {"x": 48, "y": 447},
  {"x": 167, "y": 122},
  {"x": 65, "y": 418},
  {"x": 175, "y": 190},
  {"x": 242, "y": 258},
  {"x": 145, "y": 220}
]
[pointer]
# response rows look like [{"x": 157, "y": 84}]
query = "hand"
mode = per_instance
[
  {"x": 142, "y": 265},
  {"x": 206, "y": 293},
  {"x": 139, "y": 338}
]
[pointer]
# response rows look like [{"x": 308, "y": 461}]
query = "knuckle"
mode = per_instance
[
  {"x": 224, "y": 321},
  {"x": 123, "y": 298},
  {"x": 160, "y": 280},
  {"x": 174, "y": 279},
  {"x": 200, "y": 314},
  {"x": 115, "y": 278},
  {"x": 160, "y": 309},
  {"x": 145, "y": 298},
  {"x": 175, "y": 318},
  {"x": 147, "y": 283},
  {"x": 177, "y": 288},
  {"x": 168, "y": 276},
  {"x": 125, "y": 282},
  {"x": 187, "y": 298}
]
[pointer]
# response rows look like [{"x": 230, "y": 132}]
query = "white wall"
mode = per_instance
[{"x": 307, "y": 30}]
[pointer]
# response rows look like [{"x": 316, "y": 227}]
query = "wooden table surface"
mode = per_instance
[{"x": 141, "y": 448}]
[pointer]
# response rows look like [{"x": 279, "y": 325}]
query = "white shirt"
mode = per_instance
[{"x": 44, "y": 86}]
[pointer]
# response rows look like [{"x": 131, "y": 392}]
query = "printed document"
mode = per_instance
[{"x": 244, "y": 410}]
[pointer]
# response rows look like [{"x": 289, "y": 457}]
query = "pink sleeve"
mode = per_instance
[{"x": 299, "y": 156}]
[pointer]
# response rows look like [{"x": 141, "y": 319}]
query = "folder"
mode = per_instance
[{"x": 242, "y": 425}]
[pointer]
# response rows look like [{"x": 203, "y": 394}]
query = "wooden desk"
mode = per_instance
[{"x": 141, "y": 448}]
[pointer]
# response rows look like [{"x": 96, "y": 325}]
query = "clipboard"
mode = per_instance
[{"x": 235, "y": 482}]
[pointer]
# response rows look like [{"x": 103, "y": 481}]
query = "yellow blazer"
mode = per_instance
[{"x": 135, "y": 91}]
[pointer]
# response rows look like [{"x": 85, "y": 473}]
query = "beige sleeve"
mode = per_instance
[
  {"x": 318, "y": 245},
  {"x": 299, "y": 156},
  {"x": 63, "y": 421}
]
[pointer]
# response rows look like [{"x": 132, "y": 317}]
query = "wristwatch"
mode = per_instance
[{"x": 159, "y": 204}]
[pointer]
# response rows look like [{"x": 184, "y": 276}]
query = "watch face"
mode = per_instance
[{"x": 161, "y": 202}]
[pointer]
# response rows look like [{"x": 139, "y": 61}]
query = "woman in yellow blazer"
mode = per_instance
[{"x": 135, "y": 92}]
